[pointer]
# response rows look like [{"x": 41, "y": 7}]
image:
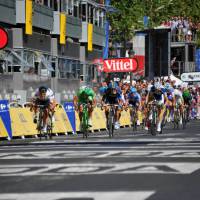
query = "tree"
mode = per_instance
[
  {"x": 131, "y": 12},
  {"x": 124, "y": 21}
]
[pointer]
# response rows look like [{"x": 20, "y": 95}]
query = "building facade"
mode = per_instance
[{"x": 48, "y": 43}]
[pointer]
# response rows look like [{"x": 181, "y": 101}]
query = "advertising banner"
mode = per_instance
[
  {"x": 62, "y": 28},
  {"x": 90, "y": 37},
  {"x": 120, "y": 65},
  {"x": 197, "y": 58},
  {"x": 29, "y": 16},
  {"x": 70, "y": 111},
  {"x": 5, "y": 122}
]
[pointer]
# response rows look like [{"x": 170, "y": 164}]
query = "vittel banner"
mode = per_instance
[{"x": 120, "y": 65}]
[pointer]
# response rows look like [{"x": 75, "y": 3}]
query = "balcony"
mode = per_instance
[
  {"x": 42, "y": 17},
  {"x": 7, "y": 11},
  {"x": 73, "y": 27},
  {"x": 98, "y": 34}
]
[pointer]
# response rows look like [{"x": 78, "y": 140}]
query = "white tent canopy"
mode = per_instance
[{"x": 177, "y": 80}]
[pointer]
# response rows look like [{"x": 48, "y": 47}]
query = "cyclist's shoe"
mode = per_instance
[
  {"x": 159, "y": 127},
  {"x": 80, "y": 127},
  {"x": 146, "y": 128},
  {"x": 90, "y": 122},
  {"x": 138, "y": 122},
  {"x": 181, "y": 121},
  {"x": 35, "y": 120},
  {"x": 117, "y": 125},
  {"x": 168, "y": 119},
  {"x": 44, "y": 129},
  {"x": 53, "y": 119}
]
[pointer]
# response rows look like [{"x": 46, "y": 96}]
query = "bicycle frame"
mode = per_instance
[
  {"x": 40, "y": 123},
  {"x": 133, "y": 113},
  {"x": 111, "y": 120},
  {"x": 153, "y": 120},
  {"x": 85, "y": 117}
]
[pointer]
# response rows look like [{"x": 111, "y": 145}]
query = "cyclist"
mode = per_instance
[
  {"x": 179, "y": 102},
  {"x": 43, "y": 96},
  {"x": 85, "y": 95},
  {"x": 158, "y": 95},
  {"x": 187, "y": 98},
  {"x": 134, "y": 99},
  {"x": 170, "y": 101},
  {"x": 113, "y": 96}
]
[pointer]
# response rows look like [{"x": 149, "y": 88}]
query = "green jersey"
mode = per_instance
[{"x": 85, "y": 95}]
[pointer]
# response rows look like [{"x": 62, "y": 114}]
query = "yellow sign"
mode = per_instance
[
  {"x": 90, "y": 37},
  {"x": 62, "y": 28},
  {"x": 28, "y": 28}
]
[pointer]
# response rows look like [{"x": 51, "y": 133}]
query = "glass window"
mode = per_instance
[
  {"x": 70, "y": 7},
  {"x": 83, "y": 10},
  {"x": 96, "y": 17},
  {"x": 90, "y": 13},
  {"x": 76, "y": 12}
]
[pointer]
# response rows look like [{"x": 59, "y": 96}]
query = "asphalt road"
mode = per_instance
[{"x": 131, "y": 166}]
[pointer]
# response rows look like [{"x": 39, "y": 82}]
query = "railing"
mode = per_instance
[{"x": 180, "y": 67}]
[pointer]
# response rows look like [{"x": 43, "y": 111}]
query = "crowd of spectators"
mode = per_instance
[{"x": 182, "y": 28}]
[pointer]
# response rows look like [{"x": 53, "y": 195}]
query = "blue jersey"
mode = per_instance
[{"x": 134, "y": 98}]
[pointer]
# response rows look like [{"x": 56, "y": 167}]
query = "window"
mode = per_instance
[
  {"x": 70, "y": 7},
  {"x": 76, "y": 12},
  {"x": 90, "y": 13},
  {"x": 96, "y": 17},
  {"x": 83, "y": 10}
]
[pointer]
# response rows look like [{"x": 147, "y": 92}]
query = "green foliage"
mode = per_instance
[{"x": 131, "y": 12}]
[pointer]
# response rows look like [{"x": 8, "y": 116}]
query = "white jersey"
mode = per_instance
[
  {"x": 49, "y": 94},
  {"x": 177, "y": 94}
]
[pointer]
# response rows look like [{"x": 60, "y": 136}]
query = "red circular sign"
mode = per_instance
[{"x": 3, "y": 38}]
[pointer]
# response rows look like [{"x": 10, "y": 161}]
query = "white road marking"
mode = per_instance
[
  {"x": 99, "y": 168},
  {"x": 100, "y": 154},
  {"x": 137, "y": 195}
]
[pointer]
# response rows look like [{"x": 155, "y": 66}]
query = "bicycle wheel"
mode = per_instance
[
  {"x": 85, "y": 123},
  {"x": 184, "y": 119},
  {"x": 111, "y": 123},
  {"x": 153, "y": 123},
  {"x": 50, "y": 128},
  {"x": 40, "y": 124},
  {"x": 176, "y": 119},
  {"x": 134, "y": 120}
]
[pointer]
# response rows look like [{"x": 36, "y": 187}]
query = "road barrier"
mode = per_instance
[{"x": 21, "y": 121}]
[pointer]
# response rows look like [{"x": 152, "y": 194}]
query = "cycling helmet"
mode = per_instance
[
  {"x": 102, "y": 90},
  {"x": 177, "y": 92},
  {"x": 167, "y": 86},
  {"x": 157, "y": 85},
  {"x": 83, "y": 87},
  {"x": 42, "y": 89},
  {"x": 133, "y": 90},
  {"x": 112, "y": 85}
]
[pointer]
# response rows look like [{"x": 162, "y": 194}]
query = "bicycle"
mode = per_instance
[
  {"x": 40, "y": 123},
  {"x": 153, "y": 117},
  {"x": 84, "y": 122},
  {"x": 111, "y": 120},
  {"x": 177, "y": 116},
  {"x": 133, "y": 116}
]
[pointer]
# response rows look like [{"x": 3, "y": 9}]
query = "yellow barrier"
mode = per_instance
[
  {"x": 3, "y": 131},
  {"x": 22, "y": 122},
  {"x": 61, "y": 124},
  {"x": 98, "y": 119},
  {"x": 125, "y": 118}
]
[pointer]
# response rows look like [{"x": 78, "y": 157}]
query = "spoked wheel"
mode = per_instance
[
  {"x": 176, "y": 120},
  {"x": 111, "y": 126},
  {"x": 184, "y": 120},
  {"x": 153, "y": 125}
]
